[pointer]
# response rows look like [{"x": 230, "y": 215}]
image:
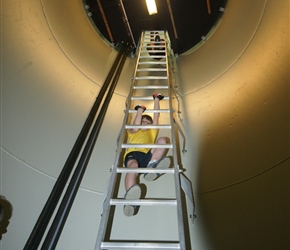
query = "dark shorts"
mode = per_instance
[{"x": 140, "y": 157}]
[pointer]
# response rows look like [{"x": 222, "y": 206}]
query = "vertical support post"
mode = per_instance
[
  {"x": 172, "y": 18},
  {"x": 126, "y": 22},
  {"x": 208, "y": 6},
  {"x": 105, "y": 20}
]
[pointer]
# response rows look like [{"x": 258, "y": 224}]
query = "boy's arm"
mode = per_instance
[
  {"x": 138, "y": 118},
  {"x": 156, "y": 115},
  {"x": 157, "y": 98}
]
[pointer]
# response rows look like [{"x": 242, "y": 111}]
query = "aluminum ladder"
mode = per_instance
[{"x": 151, "y": 75}]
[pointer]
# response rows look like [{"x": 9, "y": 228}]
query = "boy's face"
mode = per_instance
[{"x": 145, "y": 122}]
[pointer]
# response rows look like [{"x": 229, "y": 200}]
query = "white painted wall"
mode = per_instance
[{"x": 235, "y": 113}]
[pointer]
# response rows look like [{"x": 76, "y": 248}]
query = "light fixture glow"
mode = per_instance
[{"x": 151, "y": 6}]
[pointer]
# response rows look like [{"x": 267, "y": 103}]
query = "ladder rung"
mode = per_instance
[
  {"x": 145, "y": 48},
  {"x": 161, "y": 34},
  {"x": 147, "y": 170},
  {"x": 139, "y": 245},
  {"x": 152, "y": 110},
  {"x": 155, "y": 56},
  {"x": 125, "y": 145},
  {"x": 151, "y": 62},
  {"x": 151, "y": 87},
  {"x": 149, "y": 31},
  {"x": 144, "y": 202},
  {"x": 151, "y": 77},
  {"x": 146, "y": 98},
  {"x": 148, "y": 126},
  {"x": 151, "y": 69},
  {"x": 150, "y": 36}
]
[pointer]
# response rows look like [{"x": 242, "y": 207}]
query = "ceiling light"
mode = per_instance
[{"x": 151, "y": 6}]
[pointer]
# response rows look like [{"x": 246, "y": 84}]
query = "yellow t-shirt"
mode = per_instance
[{"x": 147, "y": 136}]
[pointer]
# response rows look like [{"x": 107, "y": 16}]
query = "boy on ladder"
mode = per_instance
[{"x": 143, "y": 157}]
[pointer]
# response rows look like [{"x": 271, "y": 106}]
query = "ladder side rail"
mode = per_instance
[
  {"x": 175, "y": 94},
  {"x": 178, "y": 191},
  {"x": 58, "y": 223},
  {"x": 176, "y": 166},
  {"x": 138, "y": 59},
  {"x": 171, "y": 55},
  {"x": 111, "y": 187},
  {"x": 184, "y": 181},
  {"x": 171, "y": 52},
  {"x": 54, "y": 197},
  {"x": 110, "y": 190},
  {"x": 112, "y": 181}
]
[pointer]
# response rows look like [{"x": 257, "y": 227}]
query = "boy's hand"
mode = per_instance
[
  {"x": 140, "y": 107},
  {"x": 158, "y": 95}
]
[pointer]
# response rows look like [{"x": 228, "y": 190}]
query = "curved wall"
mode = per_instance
[{"x": 234, "y": 94}]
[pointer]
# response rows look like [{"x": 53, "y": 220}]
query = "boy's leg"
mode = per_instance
[
  {"x": 130, "y": 178},
  {"x": 158, "y": 153},
  {"x": 133, "y": 190},
  {"x": 133, "y": 193},
  {"x": 164, "y": 163},
  {"x": 158, "y": 160}
]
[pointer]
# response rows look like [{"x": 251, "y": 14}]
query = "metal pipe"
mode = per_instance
[
  {"x": 126, "y": 22},
  {"x": 47, "y": 211},
  {"x": 105, "y": 20},
  {"x": 68, "y": 199},
  {"x": 172, "y": 18},
  {"x": 183, "y": 136},
  {"x": 208, "y": 6}
]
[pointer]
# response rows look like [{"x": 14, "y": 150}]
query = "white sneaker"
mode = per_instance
[
  {"x": 162, "y": 164},
  {"x": 133, "y": 193}
]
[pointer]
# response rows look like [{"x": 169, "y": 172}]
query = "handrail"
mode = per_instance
[
  {"x": 46, "y": 214},
  {"x": 173, "y": 88},
  {"x": 182, "y": 134}
]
